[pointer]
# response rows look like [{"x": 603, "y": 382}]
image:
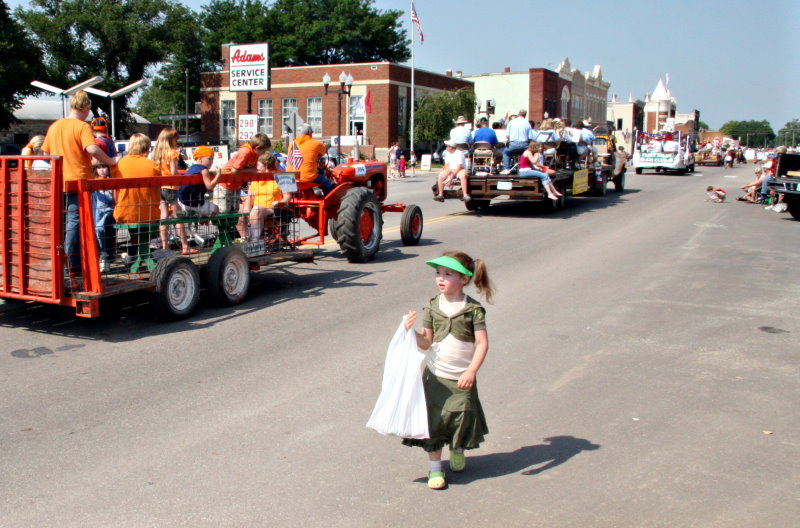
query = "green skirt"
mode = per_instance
[{"x": 455, "y": 416}]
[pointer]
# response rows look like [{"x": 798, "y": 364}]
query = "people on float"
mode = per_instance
[
  {"x": 669, "y": 144},
  {"x": 460, "y": 134},
  {"x": 33, "y": 148},
  {"x": 266, "y": 201},
  {"x": 228, "y": 196},
  {"x": 138, "y": 205},
  {"x": 531, "y": 165},
  {"x": 165, "y": 155},
  {"x": 71, "y": 138},
  {"x": 519, "y": 132},
  {"x": 192, "y": 197},
  {"x": 452, "y": 169},
  {"x": 454, "y": 334},
  {"x": 311, "y": 150},
  {"x": 484, "y": 133},
  {"x": 103, "y": 208}
]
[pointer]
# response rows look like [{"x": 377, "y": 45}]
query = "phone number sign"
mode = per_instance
[
  {"x": 248, "y": 67},
  {"x": 248, "y": 127}
]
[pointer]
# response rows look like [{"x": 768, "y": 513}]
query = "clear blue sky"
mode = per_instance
[{"x": 732, "y": 60}]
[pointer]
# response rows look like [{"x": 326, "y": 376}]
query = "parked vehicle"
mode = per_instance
[{"x": 787, "y": 182}]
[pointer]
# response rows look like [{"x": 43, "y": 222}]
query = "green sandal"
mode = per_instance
[
  {"x": 436, "y": 480},
  {"x": 457, "y": 461}
]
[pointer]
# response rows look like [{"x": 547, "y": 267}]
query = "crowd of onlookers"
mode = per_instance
[{"x": 758, "y": 190}]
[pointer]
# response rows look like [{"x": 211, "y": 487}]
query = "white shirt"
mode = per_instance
[{"x": 455, "y": 160}]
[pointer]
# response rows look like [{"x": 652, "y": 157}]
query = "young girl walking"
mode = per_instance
[{"x": 454, "y": 329}]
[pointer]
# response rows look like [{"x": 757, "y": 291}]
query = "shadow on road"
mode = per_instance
[
  {"x": 555, "y": 452},
  {"x": 575, "y": 206}
]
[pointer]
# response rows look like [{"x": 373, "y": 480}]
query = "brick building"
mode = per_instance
[
  {"x": 298, "y": 91},
  {"x": 566, "y": 92}
]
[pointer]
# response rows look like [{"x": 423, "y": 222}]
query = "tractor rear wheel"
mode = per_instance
[
  {"x": 411, "y": 225},
  {"x": 359, "y": 225}
]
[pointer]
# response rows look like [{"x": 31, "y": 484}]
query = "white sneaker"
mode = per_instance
[
  {"x": 105, "y": 266},
  {"x": 781, "y": 208},
  {"x": 769, "y": 208},
  {"x": 505, "y": 171}
]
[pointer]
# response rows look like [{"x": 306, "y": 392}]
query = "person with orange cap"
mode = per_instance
[{"x": 192, "y": 197}]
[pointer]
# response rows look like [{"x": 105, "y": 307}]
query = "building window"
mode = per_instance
[
  {"x": 401, "y": 116},
  {"x": 265, "y": 116},
  {"x": 288, "y": 110},
  {"x": 314, "y": 114},
  {"x": 228, "y": 120},
  {"x": 565, "y": 102},
  {"x": 357, "y": 114}
]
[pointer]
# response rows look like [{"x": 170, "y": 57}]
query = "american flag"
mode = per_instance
[
  {"x": 415, "y": 20},
  {"x": 295, "y": 157}
]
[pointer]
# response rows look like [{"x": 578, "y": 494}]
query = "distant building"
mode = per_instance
[
  {"x": 566, "y": 92},
  {"x": 296, "y": 94},
  {"x": 657, "y": 113},
  {"x": 36, "y": 116}
]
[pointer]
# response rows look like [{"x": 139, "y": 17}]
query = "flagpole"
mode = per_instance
[{"x": 412, "y": 76}]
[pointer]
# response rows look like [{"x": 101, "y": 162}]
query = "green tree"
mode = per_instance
[
  {"x": 122, "y": 40},
  {"x": 790, "y": 132},
  {"x": 20, "y": 65},
  {"x": 754, "y": 133},
  {"x": 436, "y": 112},
  {"x": 302, "y": 32},
  {"x": 702, "y": 125}
]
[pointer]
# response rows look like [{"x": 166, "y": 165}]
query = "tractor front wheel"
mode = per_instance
[
  {"x": 411, "y": 225},
  {"x": 359, "y": 225}
]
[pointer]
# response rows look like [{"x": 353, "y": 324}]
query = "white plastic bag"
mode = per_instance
[{"x": 401, "y": 409}]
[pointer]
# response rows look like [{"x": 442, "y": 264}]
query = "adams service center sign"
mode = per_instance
[{"x": 248, "y": 65}]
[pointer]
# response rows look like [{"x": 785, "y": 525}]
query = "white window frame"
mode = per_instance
[
  {"x": 265, "y": 116},
  {"x": 227, "y": 114},
  {"x": 314, "y": 114}
]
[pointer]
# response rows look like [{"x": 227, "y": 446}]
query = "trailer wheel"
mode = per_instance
[
  {"x": 411, "y": 225},
  {"x": 477, "y": 205},
  {"x": 638, "y": 170},
  {"x": 359, "y": 225},
  {"x": 228, "y": 276},
  {"x": 793, "y": 206},
  {"x": 601, "y": 188},
  {"x": 177, "y": 288},
  {"x": 619, "y": 183}
]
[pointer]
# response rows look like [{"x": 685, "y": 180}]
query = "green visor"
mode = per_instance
[{"x": 449, "y": 262}]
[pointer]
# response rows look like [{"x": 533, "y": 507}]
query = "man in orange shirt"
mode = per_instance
[
  {"x": 72, "y": 139},
  {"x": 311, "y": 150}
]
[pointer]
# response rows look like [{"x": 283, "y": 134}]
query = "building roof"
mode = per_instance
[
  {"x": 660, "y": 93},
  {"x": 51, "y": 110}
]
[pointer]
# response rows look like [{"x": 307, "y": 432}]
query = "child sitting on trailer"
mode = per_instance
[{"x": 266, "y": 201}]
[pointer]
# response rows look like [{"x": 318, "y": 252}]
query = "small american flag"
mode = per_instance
[
  {"x": 415, "y": 20},
  {"x": 295, "y": 157}
]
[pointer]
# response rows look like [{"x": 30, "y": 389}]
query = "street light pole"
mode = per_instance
[
  {"x": 186, "y": 106},
  {"x": 345, "y": 85}
]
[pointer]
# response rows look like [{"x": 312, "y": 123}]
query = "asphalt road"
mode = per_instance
[{"x": 642, "y": 372}]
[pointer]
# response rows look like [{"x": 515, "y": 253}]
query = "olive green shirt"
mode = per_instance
[{"x": 462, "y": 325}]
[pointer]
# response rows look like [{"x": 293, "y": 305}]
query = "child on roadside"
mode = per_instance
[
  {"x": 715, "y": 194},
  {"x": 401, "y": 166},
  {"x": 454, "y": 329}
]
